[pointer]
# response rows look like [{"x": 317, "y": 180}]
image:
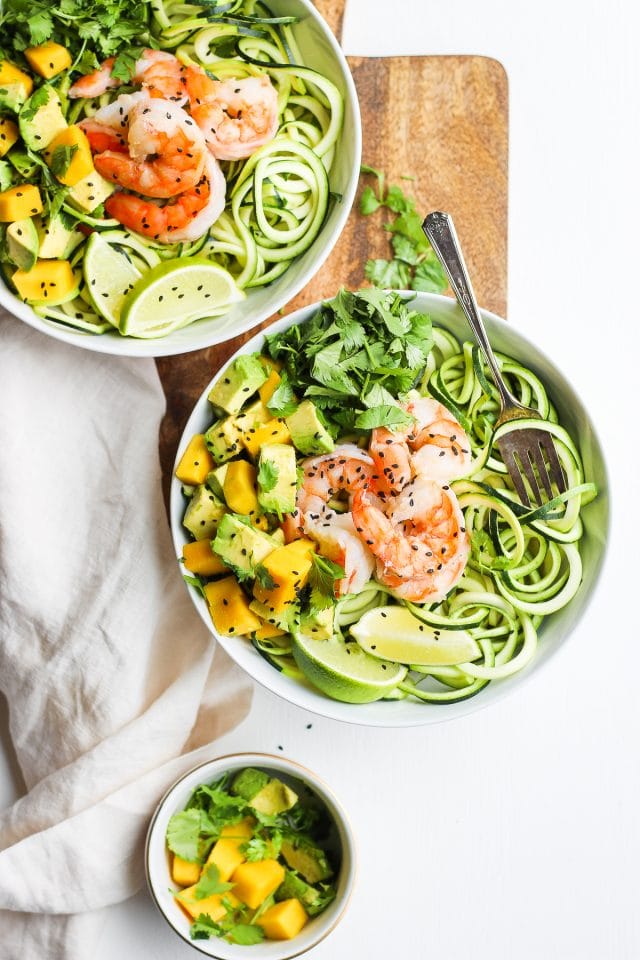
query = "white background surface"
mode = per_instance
[{"x": 511, "y": 834}]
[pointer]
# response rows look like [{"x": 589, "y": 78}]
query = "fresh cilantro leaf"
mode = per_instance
[
  {"x": 61, "y": 159},
  {"x": 429, "y": 275},
  {"x": 38, "y": 99},
  {"x": 397, "y": 201},
  {"x": 263, "y": 577},
  {"x": 404, "y": 249},
  {"x": 282, "y": 401},
  {"x": 268, "y": 475},
  {"x": 210, "y": 883},
  {"x": 183, "y": 834},
  {"x": 386, "y": 415},
  {"x": 245, "y": 934},
  {"x": 124, "y": 66},
  {"x": 196, "y": 582},
  {"x": 260, "y": 848},
  {"x": 40, "y": 27},
  {"x": 319, "y": 601},
  {"x": 368, "y": 201},
  {"x": 390, "y": 274},
  {"x": 324, "y": 573},
  {"x": 379, "y": 179},
  {"x": 204, "y": 927}
]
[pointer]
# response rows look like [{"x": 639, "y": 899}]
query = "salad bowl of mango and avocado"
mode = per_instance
[{"x": 250, "y": 852}]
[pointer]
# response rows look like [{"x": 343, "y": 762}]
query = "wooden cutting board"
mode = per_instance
[{"x": 443, "y": 121}]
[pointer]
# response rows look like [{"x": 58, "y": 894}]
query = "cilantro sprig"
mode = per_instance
[
  {"x": 414, "y": 265},
  {"x": 356, "y": 358}
]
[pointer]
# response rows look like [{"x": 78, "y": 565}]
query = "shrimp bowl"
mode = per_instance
[
  {"x": 347, "y": 529},
  {"x": 168, "y": 192}
]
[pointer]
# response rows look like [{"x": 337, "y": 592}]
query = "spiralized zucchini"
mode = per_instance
[
  {"x": 524, "y": 563},
  {"x": 277, "y": 199}
]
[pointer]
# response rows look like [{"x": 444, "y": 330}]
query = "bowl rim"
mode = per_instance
[
  {"x": 110, "y": 345},
  {"x": 296, "y": 770},
  {"x": 320, "y": 704}
]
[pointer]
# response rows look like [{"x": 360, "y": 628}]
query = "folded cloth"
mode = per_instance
[{"x": 114, "y": 685}]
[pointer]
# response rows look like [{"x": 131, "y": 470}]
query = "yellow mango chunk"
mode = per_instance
[
  {"x": 184, "y": 872},
  {"x": 274, "y": 431},
  {"x": 268, "y": 388},
  {"x": 239, "y": 487},
  {"x": 254, "y": 882},
  {"x": 226, "y": 853},
  {"x": 289, "y": 567},
  {"x": 81, "y": 164},
  {"x": 229, "y": 608},
  {"x": 49, "y": 281},
  {"x": 48, "y": 59},
  {"x": 268, "y": 630},
  {"x": 8, "y": 135},
  {"x": 9, "y": 73},
  {"x": 199, "y": 558},
  {"x": 284, "y": 920},
  {"x": 18, "y": 203},
  {"x": 196, "y": 462},
  {"x": 211, "y": 906}
]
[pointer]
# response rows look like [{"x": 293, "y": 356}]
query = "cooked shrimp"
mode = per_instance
[
  {"x": 344, "y": 469},
  {"x": 337, "y": 539},
  {"x": 187, "y": 217},
  {"x": 434, "y": 445},
  {"x": 418, "y": 538},
  {"x": 108, "y": 128},
  {"x": 166, "y": 151},
  {"x": 236, "y": 116},
  {"x": 161, "y": 74}
]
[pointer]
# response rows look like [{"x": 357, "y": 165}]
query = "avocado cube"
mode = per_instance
[
  {"x": 249, "y": 782},
  {"x": 41, "y": 118},
  {"x": 90, "y": 192},
  {"x": 238, "y": 382},
  {"x": 307, "y": 431},
  {"x": 240, "y": 545},
  {"x": 312, "y": 899},
  {"x": 22, "y": 163},
  {"x": 308, "y": 859},
  {"x": 58, "y": 238},
  {"x": 224, "y": 439},
  {"x": 277, "y": 478},
  {"x": 318, "y": 624},
  {"x": 204, "y": 513},
  {"x": 275, "y": 797},
  {"x": 22, "y": 243},
  {"x": 215, "y": 480}
]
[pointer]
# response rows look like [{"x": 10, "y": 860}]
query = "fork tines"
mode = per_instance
[{"x": 531, "y": 454}]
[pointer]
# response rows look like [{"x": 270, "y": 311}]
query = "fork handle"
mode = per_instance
[{"x": 442, "y": 235}]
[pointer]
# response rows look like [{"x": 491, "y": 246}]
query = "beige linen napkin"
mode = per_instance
[{"x": 111, "y": 678}]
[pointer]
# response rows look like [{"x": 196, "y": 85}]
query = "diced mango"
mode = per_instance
[
  {"x": 289, "y": 567},
  {"x": 284, "y": 920},
  {"x": 229, "y": 608},
  {"x": 20, "y": 202},
  {"x": 48, "y": 59},
  {"x": 240, "y": 487},
  {"x": 267, "y": 631},
  {"x": 211, "y": 906},
  {"x": 9, "y": 73},
  {"x": 81, "y": 163},
  {"x": 196, "y": 462},
  {"x": 226, "y": 853},
  {"x": 254, "y": 882},
  {"x": 199, "y": 558},
  {"x": 274, "y": 431},
  {"x": 8, "y": 135},
  {"x": 184, "y": 872},
  {"x": 49, "y": 281},
  {"x": 270, "y": 385}
]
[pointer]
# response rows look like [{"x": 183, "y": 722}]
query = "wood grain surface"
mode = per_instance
[{"x": 441, "y": 120}]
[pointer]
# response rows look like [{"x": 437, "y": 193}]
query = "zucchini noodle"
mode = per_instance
[{"x": 278, "y": 198}]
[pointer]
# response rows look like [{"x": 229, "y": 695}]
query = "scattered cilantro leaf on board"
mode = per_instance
[
  {"x": 414, "y": 265},
  {"x": 268, "y": 475},
  {"x": 183, "y": 834},
  {"x": 210, "y": 883}
]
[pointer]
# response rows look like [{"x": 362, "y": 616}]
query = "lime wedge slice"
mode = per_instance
[
  {"x": 343, "y": 671},
  {"x": 393, "y": 633},
  {"x": 176, "y": 293},
  {"x": 110, "y": 277}
]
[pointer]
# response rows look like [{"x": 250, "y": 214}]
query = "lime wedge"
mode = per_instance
[
  {"x": 110, "y": 277},
  {"x": 393, "y": 633},
  {"x": 176, "y": 293},
  {"x": 343, "y": 671}
]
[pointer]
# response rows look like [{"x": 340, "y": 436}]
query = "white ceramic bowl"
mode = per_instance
[
  {"x": 320, "y": 51},
  {"x": 158, "y": 871},
  {"x": 556, "y": 628}
]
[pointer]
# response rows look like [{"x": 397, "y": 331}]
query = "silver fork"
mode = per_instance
[{"x": 528, "y": 453}]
